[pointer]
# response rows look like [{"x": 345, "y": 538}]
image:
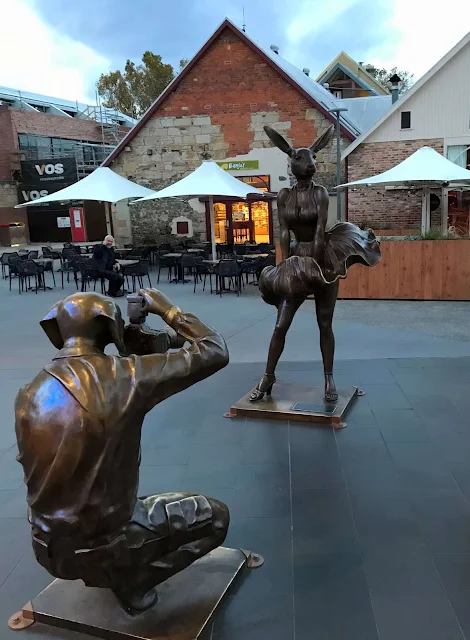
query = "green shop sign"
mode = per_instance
[{"x": 239, "y": 165}]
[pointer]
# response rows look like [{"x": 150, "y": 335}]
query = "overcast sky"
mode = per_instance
[{"x": 59, "y": 48}]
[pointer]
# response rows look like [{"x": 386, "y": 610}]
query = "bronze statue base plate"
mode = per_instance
[
  {"x": 295, "y": 402},
  {"x": 186, "y": 603}
]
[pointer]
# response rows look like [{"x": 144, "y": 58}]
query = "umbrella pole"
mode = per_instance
[
  {"x": 444, "y": 210},
  {"x": 425, "y": 210},
  {"x": 212, "y": 224}
]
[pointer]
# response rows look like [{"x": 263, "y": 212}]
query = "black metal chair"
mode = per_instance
[
  {"x": 187, "y": 262},
  {"x": 229, "y": 269},
  {"x": 5, "y": 261},
  {"x": 251, "y": 267},
  {"x": 13, "y": 262},
  {"x": 137, "y": 272},
  {"x": 167, "y": 263},
  {"x": 135, "y": 254},
  {"x": 70, "y": 263},
  {"x": 48, "y": 267},
  {"x": 28, "y": 269},
  {"x": 33, "y": 255},
  {"x": 90, "y": 275},
  {"x": 48, "y": 252},
  {"x": 201, "y": 271},
  {"x": 239, "y": 250}
]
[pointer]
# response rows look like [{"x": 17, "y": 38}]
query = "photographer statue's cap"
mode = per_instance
[{"x": 82, "y": 315}]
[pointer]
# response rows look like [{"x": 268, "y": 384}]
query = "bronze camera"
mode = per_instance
[{"x": 139, "y": 338}]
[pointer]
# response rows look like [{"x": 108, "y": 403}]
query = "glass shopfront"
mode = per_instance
[{"x": 244, "y": 221}]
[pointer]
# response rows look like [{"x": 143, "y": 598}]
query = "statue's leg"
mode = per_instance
[
  {"x": 285, "y": 314},
  {"x": 135, "y": 587},
  {"x": 325, "y": 300}
]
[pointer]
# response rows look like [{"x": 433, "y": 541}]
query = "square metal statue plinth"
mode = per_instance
[
  {"x": 185, "y": 604},
  {"x": 295, "y": 402}
]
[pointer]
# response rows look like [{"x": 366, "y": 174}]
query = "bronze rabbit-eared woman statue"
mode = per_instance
[{"x": 313, "y": 259}]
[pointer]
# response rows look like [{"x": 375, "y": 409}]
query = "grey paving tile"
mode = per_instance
[
  {"x": 24, "y": 583},
  {"x": 13, "y": 504},
  {"x": 332, "y": 598},
  {"x": 317, "y": 465},
  {"x": 443, "y": 515},
  {"x": 265, "y": 442},
  {"x": 210, "y": 470},
  {"x": 401, "y": 425},
  {"x": 11, "y": 473},
  {"x": 273, "y": 475},
  {"x": 164, "y": 452},
  {"x": 255, "y": 618},
  {"x": 322, "y": 521},
  {"x": 386, "y": 396},
  {"x": 160, "y": 479},
  {"x": 364, "y": 456},
  {"x": 421, "y": 466},
  {"x": 454, "y": 571},
  {"x": 15, "y": 535},
  {"x": 272, "y": 538},
  {"x": 216, "y": 428},
  {"x": 384, "y": 517},
  {"x": 408, "y": 598},
  {"x": 261, "y": 502}
]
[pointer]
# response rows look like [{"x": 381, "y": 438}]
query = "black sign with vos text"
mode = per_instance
[
  {"x": 41, "y": 173},
  {"x": 28, "y": 193}
]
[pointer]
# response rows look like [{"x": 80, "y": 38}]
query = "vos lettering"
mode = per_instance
[
  {"x": 34, "y": 194},
  {"x": 49, "y": 169}
]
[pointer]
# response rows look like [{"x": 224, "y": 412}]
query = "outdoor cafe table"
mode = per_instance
[
  {"x": 41, "y": 262},
  {"x": 176, "y": 256},
  {"x": 127, "y": 263},
  {"x": 255, "y": 256}
]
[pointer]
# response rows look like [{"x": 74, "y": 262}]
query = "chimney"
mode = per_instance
[
  {"x": 369, "y": 68},
  {"x": 306, "y": 70},
  {"x": 395, "y": 81},
  {"x": 274, "y": 48}
]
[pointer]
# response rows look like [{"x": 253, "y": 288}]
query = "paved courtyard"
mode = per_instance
[{"x": 365, "y": 531}]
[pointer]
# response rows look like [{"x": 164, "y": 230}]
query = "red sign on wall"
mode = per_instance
[{"x": 77, "y": 224}]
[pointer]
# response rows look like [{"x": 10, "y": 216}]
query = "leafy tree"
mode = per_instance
[
  {"x": 383, "y": 76},
  {"x": 134, "y": 90}
]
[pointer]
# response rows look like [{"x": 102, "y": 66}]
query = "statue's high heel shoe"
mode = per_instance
[{"x": 264, "y": 386}]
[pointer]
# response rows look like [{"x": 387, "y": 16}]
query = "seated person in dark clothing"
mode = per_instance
[{"x": 104, "y": 261}]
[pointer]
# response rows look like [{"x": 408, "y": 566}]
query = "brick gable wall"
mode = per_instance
[
  {"x": 390, "y": 209},
  {"x": 219, "y": 108}
]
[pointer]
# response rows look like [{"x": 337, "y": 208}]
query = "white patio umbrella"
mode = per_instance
[
  {"x": 425, "y": 168},
  {"x": 207, "y": 180},
  {"x": 103, "y": 185}
]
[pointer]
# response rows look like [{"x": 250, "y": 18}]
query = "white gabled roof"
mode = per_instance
[
  {"x": 103, "y": 185},
  {"x": 425, "y": 166},
  {"x": 416, "y": 87},
  {"x": 208, "y": 179}
]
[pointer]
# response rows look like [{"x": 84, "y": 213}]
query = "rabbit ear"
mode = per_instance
[
  {"x": 278, "y": 140},
  {"x": 323, "y": 140}
]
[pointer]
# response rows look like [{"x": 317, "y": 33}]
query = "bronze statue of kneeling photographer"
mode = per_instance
[{"x": 78, "y": 426}]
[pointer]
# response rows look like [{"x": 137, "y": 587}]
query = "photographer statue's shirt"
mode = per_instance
[{"x": 98, "y": 403}]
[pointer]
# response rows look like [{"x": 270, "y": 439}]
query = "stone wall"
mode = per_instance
[
  {"x": 218, "y": 111},
  {"x": 8, "y": 200},
  {"x": 381, "y": 208}
]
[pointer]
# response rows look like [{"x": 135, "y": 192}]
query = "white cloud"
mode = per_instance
[
  {"x": 309, "y": 20},
  {"x": 34, "y": 57},
  {"x": 420, "y": 34}
]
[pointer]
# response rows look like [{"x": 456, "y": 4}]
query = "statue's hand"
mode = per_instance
[{"x": 155, "y": 302}]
